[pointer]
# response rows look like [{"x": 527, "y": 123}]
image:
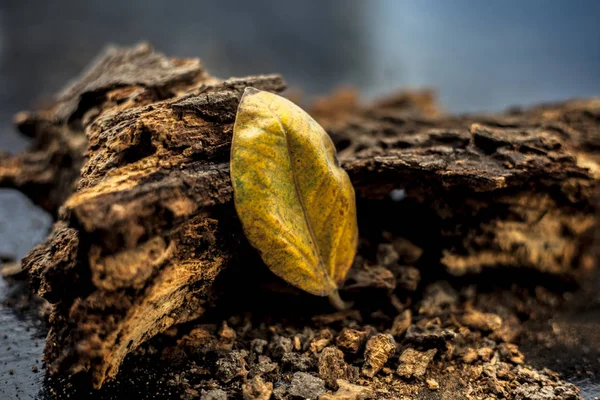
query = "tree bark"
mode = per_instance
[{"x": 132, "y": 159}]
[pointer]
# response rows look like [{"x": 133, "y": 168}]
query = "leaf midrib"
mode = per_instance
[{"x": 300, "y": 200}]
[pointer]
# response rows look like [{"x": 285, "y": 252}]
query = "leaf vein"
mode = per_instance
[{"x": 322, "y": 266}]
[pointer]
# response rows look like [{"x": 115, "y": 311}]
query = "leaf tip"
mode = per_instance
[{"x": 249, "y": 91}]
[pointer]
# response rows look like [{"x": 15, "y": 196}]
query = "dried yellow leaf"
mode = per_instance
[{"x": 295, "y": 202}]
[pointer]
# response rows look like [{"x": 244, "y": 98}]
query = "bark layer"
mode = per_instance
[{"x": 133, "y": 160}]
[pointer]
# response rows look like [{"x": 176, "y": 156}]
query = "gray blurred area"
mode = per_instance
[{"x": 479, "y": 55}]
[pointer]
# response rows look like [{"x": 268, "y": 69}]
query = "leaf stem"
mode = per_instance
[{"x": 336, "y": 301}]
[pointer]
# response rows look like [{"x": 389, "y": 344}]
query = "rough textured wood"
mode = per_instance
[
  {"x": 134, "y": 249},
  {"x": 516, "y": 189},
  {"x": 118, "y": 79},
  {"x": 137, "y": 151}
]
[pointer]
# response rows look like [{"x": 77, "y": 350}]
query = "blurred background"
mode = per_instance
[{"x": 478, "y": 55}]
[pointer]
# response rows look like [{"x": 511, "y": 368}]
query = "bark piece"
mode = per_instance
[
  {"x": 118, "y": 79},
  {"x": 152, "y": 254}
]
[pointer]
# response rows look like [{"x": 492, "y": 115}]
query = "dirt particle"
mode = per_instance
[
  {"x": 280, "y": 346},
  {"x": 226, "y": 337},
  {"x": 257, "y": 389},
  {"x": 348, "y": 391},
  {"x": 401, "y": 323},
  {"x": 377, "y": 352},
  {"x": 232, "y": 365},
  {"x": 527, "y": 375},
  {"x": 438, "y": 297},
  {"x": 407, "y": 278},
  {"x": 413, "y": 363},
  {"x": 430, "y": 336},
  {"x": 510, "y": 352},
  {"x": 298, "y": 362},
  {"x": 350, "y": 340},
  {"x": 470, "y": 356},
  {"x": 280, "y": 392},
  {"x": 371, "y": 277},
  {"x": 387, "y": 254},
  {"x": 485, "y": 322},
  {"x": 258, "y": 345},
  {"x": 532, "y": 391},
  {"x": 297, "y": 343},
  {"x": 190, "y": 394},
  {"x": 306, "y": 386},
  {"x": 338, "y": 316},
  {"x": 264, "y": 365},
  {"x": 408, "y": 252},
  {"x": 332, "y": 366},
  {"x": 506, "y": 333},
  {"x": 485, "y": 353},
  {"x": 214, "y": 394},
  {"x": 432, "y": 384},
  {"x": 198, "y": 340},
  {"x": 321, "y": 341}
]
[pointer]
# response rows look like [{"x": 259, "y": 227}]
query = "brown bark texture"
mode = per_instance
[{"x": 132, "y": 159}]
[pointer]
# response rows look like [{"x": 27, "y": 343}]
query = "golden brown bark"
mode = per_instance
[{"x": 133, "y": 160}]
